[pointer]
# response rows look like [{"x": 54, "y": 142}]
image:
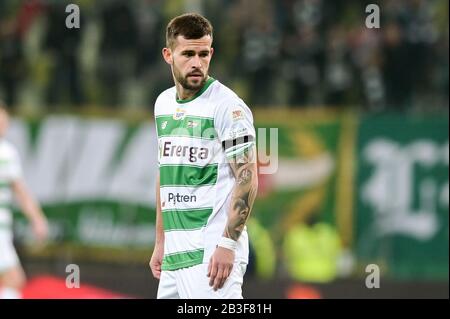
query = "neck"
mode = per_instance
[{"x": 184, "y": 94}]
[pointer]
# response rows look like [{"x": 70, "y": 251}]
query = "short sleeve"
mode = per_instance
[
  {"x": 233, "y": 121},
  {"x": 156, "y": 109},
  {"x": 11, "y": 166}
]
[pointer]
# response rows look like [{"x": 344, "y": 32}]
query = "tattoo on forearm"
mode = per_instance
[
  {"x": 236, "y": 223},
  {"x": 244, "y": 177},
  {"x": 244, "y": 193}
]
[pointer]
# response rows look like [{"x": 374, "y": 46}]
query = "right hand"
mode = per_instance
[
  {"x": 156, "y": 261},
  {"x": 220, "y": 266}
]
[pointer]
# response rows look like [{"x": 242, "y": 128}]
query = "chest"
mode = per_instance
[{"x": 193, "y": 120}]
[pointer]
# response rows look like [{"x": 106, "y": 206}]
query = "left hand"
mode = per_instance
[
  {"x": 40, "y": 229},
  {"x": 220, "y": 266}
]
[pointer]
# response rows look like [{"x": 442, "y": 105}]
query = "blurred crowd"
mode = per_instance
[{"x": 284, "y": 53}]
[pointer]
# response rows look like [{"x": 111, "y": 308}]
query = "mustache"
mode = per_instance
[{"x": 195, "y": 73}]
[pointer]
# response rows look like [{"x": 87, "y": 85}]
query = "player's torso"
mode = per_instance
[
  {"x": 194, "y": 182},
  {"x": 189, "y": 152},
  {"x": 6, "y": 158}
]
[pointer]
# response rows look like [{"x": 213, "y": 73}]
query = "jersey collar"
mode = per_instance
[{"x": 208, "y": 82}]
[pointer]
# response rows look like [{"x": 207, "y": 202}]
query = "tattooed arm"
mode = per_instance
[{"x": 244, "y": 193}]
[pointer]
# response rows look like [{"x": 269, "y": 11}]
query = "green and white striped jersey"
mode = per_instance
[
  {"x": 196, "y": 181},
  {"x": 10, "y": 170}
]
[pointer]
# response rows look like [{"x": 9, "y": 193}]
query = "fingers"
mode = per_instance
[
  {"x": 41, "y": 236},
  {"x": 218, "y": 272},
  {"x": 156, "y": 274},
  {"x": 226, "y": 274},
  {"x": 209, "y": 268},
  {"x": 156, "y": 269},
  {"x": 212, "y": 272},
  {"x": 218, "y": 279},
  {"x": 40, "y": 229},
  {"x": 219, "y": 275}
]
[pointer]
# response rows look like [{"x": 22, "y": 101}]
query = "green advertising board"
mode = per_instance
[
  {"x": 96, "y": 178},
  {"x": 402, "y": 196},
  {"x": 374, "y": 188}
]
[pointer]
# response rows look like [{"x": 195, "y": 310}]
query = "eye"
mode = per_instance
[{"x": 188, "y": 53}]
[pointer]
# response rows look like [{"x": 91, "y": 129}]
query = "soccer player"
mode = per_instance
[
  {"x": 12, "y": 277},
  {"x": 207, "y": 180}
]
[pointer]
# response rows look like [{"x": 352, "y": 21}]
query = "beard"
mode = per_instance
[{"x": 185, "y": 81}]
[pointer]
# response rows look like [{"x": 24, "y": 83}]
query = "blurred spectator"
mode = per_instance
[
  {"x": 287, "y": 53},
  {"x": 62, "y": 44},
  {"x": 338, "y": 70},
  {"x": 118, "y": 49},
  {"x": 398, "y": 68},
  {"x": 11, "y": 61},
  {"x": 150, "y": 70},
  {"x": 16, "y": 20}
]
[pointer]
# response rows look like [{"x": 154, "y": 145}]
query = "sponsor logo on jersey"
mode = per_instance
[
  {"x": 192, "y": 124},
  {"x": 179, "y": 114},
  {"x": 237, "y": 115},
  {"x": 175, "y": 198},
  {"x": 193, "y": 153},
  {"x": 239, "y": 132}
]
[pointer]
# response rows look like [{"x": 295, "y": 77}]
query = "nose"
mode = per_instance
[{"x": 196, "y": 62}]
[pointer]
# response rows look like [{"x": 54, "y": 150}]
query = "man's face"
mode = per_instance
[
  {"x": 4, "y": 123},
  {"x": 190, "y": 60}
]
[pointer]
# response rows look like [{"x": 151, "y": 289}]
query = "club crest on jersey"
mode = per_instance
[
  {"x": 163, "y": 125},
  {"x": 179, "y": 114}
]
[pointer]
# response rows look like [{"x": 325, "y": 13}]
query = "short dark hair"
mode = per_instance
[{"x": 188, "y": 25}]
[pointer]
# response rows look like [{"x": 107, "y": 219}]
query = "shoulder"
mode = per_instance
[
  {"x": 228, "y": 103},
  {"x": 8, "y": 150},
  {"x": 223, "y": 94},
  {"x": 167, "y": 96}
]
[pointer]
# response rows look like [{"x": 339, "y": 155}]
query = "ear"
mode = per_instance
[
  {"x": 211, "y": 52},
  {"x": 167, "y": 55}
]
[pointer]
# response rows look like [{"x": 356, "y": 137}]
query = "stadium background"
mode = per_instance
[{"x": 362, "y": 118}]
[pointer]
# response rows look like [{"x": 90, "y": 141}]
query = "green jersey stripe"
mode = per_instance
[
  {"x": 185, "y": 219},
  {"x": 184, "y": 175},
  {"x": 183, "y": 259},
  {"x": 5, "y": 184},
  {"x": 189, "y": 126}
]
